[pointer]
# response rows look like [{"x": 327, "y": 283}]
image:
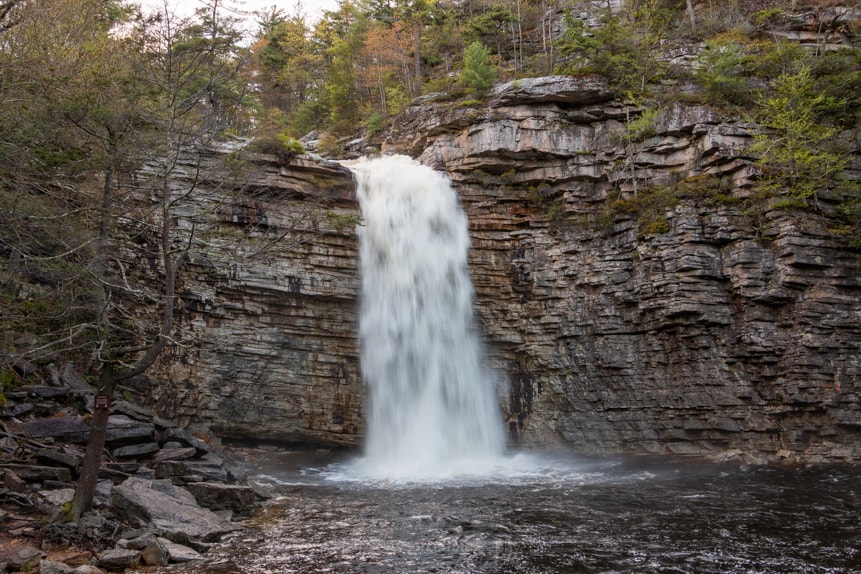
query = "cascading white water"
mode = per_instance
[{"x": 432, "y": 410}]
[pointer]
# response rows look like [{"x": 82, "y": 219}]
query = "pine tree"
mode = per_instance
[{"x": 478, "y": 72}]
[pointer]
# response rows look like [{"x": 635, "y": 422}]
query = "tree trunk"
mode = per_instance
[
  {"x": 85, "y": 489},
  {"x": 692, "y": 15},
  {"x": 417, "y": 46}
]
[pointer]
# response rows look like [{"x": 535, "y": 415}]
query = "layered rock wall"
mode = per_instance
[
  {"x": 268, "y": 308},
  {"x": 703, "y": 327},
  {"x": 724, "y": 328}
]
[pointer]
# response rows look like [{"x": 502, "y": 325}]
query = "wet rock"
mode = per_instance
[
  {"x": 118, "y": 559},
  {"x": 170, "y": 510},
  {"x": 217, "y": 496},
  {"x": 178, "y": 552},
  {"x": 262, "y": 491}
]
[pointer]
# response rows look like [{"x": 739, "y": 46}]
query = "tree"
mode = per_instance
[
  {"x": 623, "y": 51},
  {"x": 478, "y": 74},
  {"x": 415, "y": 13},
  {"x": 797, "y": 152},
  {"x": 190, "y": 68},
  {"x": 491, "y": 25},
  {"x": 90, "y": 106},
  {"x": 288, "y": 68}
]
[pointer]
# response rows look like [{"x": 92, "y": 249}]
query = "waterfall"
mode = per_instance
[{"x": 432, "y": 410}]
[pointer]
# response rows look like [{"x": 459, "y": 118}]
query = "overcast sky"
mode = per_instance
[{"x": 245, "y": 8}]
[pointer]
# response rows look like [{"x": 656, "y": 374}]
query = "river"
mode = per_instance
[{"x": 566, "y": 514}]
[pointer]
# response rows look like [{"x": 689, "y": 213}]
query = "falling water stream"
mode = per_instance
[
  {"x": 434, "y": 489},
  {"x": 432, "y": 410}
]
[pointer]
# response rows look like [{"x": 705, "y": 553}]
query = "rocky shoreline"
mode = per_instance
[{"x": 164, "y": 496}]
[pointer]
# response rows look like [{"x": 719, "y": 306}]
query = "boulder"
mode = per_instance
[
  {"x": 50, "y": 455},
  {"x": 140, "y": 542},
  {"x": 71, "y": 557},
  {"x": 217, "y": 496},
  {"x": 39, "y": 392},
  {"x": 25, "y": 558},
  {"x": 172, "y": 511},
  {"x": 156, "y": 552},
  {"x": 180, "y": 553},
  {"x": 119, "y": 559},
  {"x": 74, "y": 381},
  {"x": 63, "y": 429},
  {"x": 49, "y": 567},
  {"x": 32, "y": 473},
  {"x": 184, "y": 438},
  {"x": 180, "y": 453},
  {"x": 123, "y": 430},
  {"x": 58, "y": 497},
  {"x": 16, "y": 410},
  {"x": 135, "y": 450},
  {"x": 191, "y": 471}
]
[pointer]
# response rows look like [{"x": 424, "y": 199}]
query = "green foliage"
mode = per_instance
[
  {"x": 838, "y": 79},
  {"x": 342, "y": 221},
  {"x": 374, "y": 123},
  {"x": 765, "y": 16},
  {"x": 649, "y": 207},
  {"x": 272, "y": 138},
  {"x": 770, "y": 59},
  {"x": 544, "y": 202},
  {"x": 848, "y": 212},
  {"x": 723, "y": 72},
  {"x": 625, "y": 54},
  {"x": 490, "y": 26},
  {"x": 797, "y": 154},
  {"x": 478, "y": 74},
  {"x": 641, "y": 127}
]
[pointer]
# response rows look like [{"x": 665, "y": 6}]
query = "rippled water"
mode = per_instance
[{"x": 561, "y": 514}]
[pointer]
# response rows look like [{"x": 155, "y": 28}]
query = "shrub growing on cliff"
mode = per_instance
[
  {"x": 622, "y": 52},
  {"x": 723, "y": 71},
  {"x": 797, "y": 153}
]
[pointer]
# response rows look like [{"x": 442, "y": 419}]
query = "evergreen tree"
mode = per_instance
[{"x": 478, "y": 74}]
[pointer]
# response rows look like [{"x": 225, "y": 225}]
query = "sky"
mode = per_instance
[{"x": 245, "y": 8}]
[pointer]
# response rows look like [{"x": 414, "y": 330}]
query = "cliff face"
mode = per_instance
[
  {"x": 692, "y": 325},
  {"x": 701, "y": 328},
  {"x": 268, "y": 309}
]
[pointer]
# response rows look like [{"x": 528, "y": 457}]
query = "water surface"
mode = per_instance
[{"x": 559, "y": 514}]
